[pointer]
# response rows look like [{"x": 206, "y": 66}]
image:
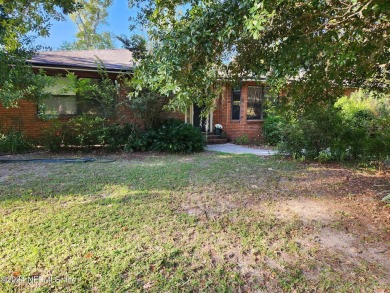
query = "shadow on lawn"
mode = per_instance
[{"x": 224, "y": 175}]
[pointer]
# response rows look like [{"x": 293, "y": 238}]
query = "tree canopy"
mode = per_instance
[
  {"x": 89, "y": 19},
  {"x": 318, "y": 46},
  {"x": 20, "y": 22}
]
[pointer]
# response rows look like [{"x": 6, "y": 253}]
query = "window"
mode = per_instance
[
  {"x": 63, "y": 100},
  {"x": 88, "y": 100},
  {"x": 255, "y": 106},
  {"x": 257, "y": 97},
  {"x": 236, "y": 100},
  {"x": 61, "y": 105}
]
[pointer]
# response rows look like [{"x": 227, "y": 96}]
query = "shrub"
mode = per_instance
[
  {"x": 148, "y": 107},
  {"x": 272, "y": 129},
  {"x": 315, "y": 131},
  {"x": 53, "y": 136},
  {"x": 243, "y": 139},
  {"x": 356, "y": 127},
  {"x": 366, "y": 124},
  {"x": 176, "y": 136},
  {"x": 13, "y": 142},
  {"x": 138, "y": 141},
  {"x": 118, "y": 135},
  {"x": 84, "y": 131}
]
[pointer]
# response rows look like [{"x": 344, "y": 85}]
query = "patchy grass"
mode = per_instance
[{"x": 206, "y": 222}]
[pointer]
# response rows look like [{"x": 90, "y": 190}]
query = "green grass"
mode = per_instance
[{"x": 161, "y": 224}]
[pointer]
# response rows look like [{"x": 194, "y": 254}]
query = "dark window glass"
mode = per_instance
[
  {"x": 255, "y": 103},
  {"x": 236, "y": 100}
]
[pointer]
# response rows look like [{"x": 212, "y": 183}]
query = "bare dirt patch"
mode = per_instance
[{"x": 344, "y": 225}]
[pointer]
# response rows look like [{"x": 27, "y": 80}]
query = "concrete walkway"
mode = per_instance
[{"x": 237, "y": 149}]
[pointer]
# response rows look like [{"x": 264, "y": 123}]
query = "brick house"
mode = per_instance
[{"x": 238, "y": 110}]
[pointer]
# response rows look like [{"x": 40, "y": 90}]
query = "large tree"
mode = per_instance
[
  {"x": 89, "y": 21},
  {"x": 20, "y": 22},
  {"x": 317, "y": 46}
]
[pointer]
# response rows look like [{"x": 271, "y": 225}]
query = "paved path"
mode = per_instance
[{"x": 237, "y": 149}]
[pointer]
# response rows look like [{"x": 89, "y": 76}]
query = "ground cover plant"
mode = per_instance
[{"x": 203, "y": 222}]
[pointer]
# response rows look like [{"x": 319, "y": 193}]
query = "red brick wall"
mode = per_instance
[
  {"x": 24, "y": 118},
  {"x": 236, "y": 128}
]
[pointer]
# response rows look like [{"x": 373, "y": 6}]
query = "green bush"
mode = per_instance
[
  {"x": 356, "y": 127},
  {"x": 243, "y": 139},
  {"x": 177, "y": 137},
  {"x": 138, "y": 141},
  {"x": 55, "y": 136},
  {"x": 118, "y": 135},
  {"x": 272, "y": 129},
  {"x": 13, "y": 142},
  {"x": 84, "y": 131}
]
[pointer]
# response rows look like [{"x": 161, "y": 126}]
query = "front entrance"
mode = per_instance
[{"x": 203, "y": 123}]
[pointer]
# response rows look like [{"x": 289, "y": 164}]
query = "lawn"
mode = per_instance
[{"x": 207, "y": 222}]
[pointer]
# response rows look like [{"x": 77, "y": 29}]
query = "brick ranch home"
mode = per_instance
[{"x": 239, "y": 110}]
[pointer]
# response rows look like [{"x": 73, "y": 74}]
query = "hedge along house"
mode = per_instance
[{"x": 240, "y": 110}]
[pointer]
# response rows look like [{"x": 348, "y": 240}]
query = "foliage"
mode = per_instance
[
  {"x": 136, "y": 44},
  {"x": 104, "y": 94},
  {"x": 175, "y": 136},
  {"x": 84, "y": 131},
  {"x": 138, "y": 141},
  {"x": 148, "y": 108},
  {"x": 243, "y": 139},
  {"x": 356, "y": 127},
  {"x": 13, "y": 142},
  {"x": 366, "y": 124},
  {"x": 272, "y": 129},
  {"x": 118, "y": 135},
  {"x": 324, "y": 45},
  {"x": 88, "y": 19},
  {"x": 20, "y": 23},
  {"x": 18, "y": 81}
]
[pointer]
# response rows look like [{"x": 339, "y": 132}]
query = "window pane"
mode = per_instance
[
  {"x": 255, "y": 107},
  {"x": 61, "y": 105},
  {"x": 236, "y": 100},
  {"x": 61, "y": 86}
]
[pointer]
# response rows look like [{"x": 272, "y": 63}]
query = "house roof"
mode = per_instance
[{"x": 113, "y": 59}]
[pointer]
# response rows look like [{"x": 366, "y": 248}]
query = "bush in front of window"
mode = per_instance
[
  {"x": 83, "y": 131},
  {"x": 243, "y": 139},
  {"x": 117, "y": 135},
  {"x": 272, "y": 129},
  {"x": 86, "y": 131}
]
